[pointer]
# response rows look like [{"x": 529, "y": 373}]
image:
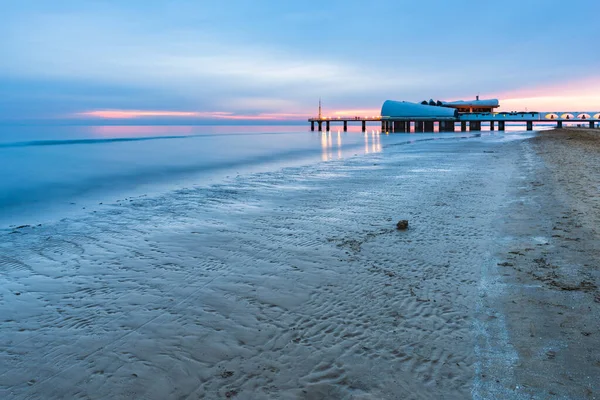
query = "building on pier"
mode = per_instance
[{"x": 472, "y": 106}]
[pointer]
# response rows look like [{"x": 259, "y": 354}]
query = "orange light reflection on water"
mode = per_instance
[
  {"x": 324, "y": 147},
  {"x": 371, "y": 141}
]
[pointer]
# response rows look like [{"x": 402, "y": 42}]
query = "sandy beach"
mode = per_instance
[
  {"x": 296, "y": 284},
  {"x": 550, "y": 268}
]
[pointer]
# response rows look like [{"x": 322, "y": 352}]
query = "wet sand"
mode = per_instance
[{"x": 296, "y": 285}]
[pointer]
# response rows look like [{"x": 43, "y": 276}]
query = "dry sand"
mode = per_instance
[
  {"x": 296, "y": 285},
  {"x": 551, "y": 266}
]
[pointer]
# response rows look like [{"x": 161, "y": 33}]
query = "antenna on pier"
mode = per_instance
[{"x": 319, "y": 108}]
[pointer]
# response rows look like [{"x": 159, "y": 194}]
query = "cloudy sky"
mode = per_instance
[{"x": 259, "y": 60}]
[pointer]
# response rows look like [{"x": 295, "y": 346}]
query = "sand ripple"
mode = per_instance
[{"x": 291, "y": 284}]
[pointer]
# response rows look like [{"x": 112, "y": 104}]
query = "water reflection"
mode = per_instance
[
  {"x": 119, "y": 131},
  {"x": 324, "y": 146},
  {"x": 376, "y": 142},
  {"x": 347, "y": 142}
]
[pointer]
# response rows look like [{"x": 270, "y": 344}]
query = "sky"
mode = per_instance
[{"x": 257, "y": 61}]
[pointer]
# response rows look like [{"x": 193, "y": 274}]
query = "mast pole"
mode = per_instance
[{"x": 319, "y": 108}]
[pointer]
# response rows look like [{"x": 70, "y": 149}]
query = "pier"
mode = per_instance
[
  {"x": 466, "y": 122},
  {"x": 404, "y": 116}
]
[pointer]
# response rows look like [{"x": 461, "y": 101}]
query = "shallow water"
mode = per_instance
[
  {"x": 48, "y": 171},
  {"x": 290, "y": 282}
]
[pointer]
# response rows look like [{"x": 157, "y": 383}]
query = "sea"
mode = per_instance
[{"x": 48, "y": 172}]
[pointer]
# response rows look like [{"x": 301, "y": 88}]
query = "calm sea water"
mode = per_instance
[{"x": 48, "y": 171}]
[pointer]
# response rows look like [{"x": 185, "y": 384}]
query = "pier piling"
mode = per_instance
[
  {"x": 463, "y": 126},
  {"x": 529, "y": 125},
  {"x": 364, "y": 126},
  {"x": 399, "y": 126},
  {"x": 345, "y": 126},
  {"x": 501, "y": 125},
  {"x": 492, "y": 125},
  {"x": 447, "y": 126}
]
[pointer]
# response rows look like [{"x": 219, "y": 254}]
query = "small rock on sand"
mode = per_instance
[{"x": 402, "y": 224}]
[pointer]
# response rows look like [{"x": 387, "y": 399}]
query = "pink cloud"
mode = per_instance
[
  {"x": 132, "y": 114},
  {"x": 581, "y": 95},
  {"x": 129, "y": 114}
]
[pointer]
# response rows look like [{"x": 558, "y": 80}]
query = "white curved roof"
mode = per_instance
[
  {"x": 472, "y": 103},
  {"x": 403, "y": 109}
]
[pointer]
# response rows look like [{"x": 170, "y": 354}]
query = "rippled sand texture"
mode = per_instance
[{"x": 293, "y": 284}]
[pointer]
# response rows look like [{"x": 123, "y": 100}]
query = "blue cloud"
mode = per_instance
[{"x": 65, "y": 57}]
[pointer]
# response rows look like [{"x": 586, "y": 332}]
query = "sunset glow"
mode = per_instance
[
  {"x": 221, "y": 115},
  {"x": 551, "y": 103},
  {"x": 574, "y": 95},
  {"x": 129, "y": 114},
  {"x": 356, "y": 112}
]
